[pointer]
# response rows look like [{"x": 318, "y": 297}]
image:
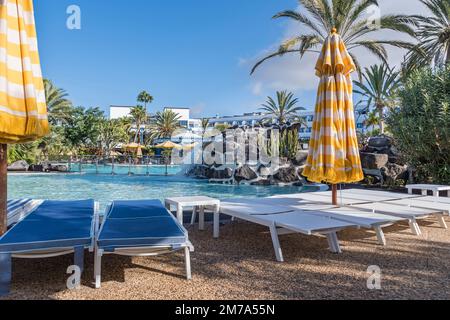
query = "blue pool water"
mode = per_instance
[
  {"x": 124, "y": 169},
  {"x": 105, "y": 188}
]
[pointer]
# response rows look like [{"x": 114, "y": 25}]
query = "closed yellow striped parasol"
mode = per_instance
[
  {"x": 334, "y": 154},
  {"x": 23, "y": 109}
]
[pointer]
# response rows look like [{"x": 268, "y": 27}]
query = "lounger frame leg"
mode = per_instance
[
  {"x": 187, "y": 257},
  {"x": 201, "y": 218},
  {"x": 194, "y": 215},
  {"x": 441, "y": 221},
  {"x": 216, "y": 222},
  {"x": 415, "y": 227},
  {"x": 333, "y": 242},
  {"x": 79, "y": 257},
  {"x": 276, "y": 243},
  {"x": 380, "y": 236},
  {"x": 5, "y": 273},
  {"x": 98, "y": 268}
]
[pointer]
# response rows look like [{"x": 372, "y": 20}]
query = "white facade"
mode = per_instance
[
  {"x": 185, "y": 119},
  {"x": 117, "y": 112}
]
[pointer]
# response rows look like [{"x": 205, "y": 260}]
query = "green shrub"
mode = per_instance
[{"x": 421, "y": 124}]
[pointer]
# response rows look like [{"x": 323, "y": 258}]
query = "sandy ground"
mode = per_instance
[{"x": 241, "y": 265}]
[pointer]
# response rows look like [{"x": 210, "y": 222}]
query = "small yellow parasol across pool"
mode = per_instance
[
  {"x": 168, "y": 145},
  {"x": 333, "y": 153}
]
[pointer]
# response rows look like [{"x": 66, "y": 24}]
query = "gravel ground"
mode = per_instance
[{"x": 241, "y": 265}]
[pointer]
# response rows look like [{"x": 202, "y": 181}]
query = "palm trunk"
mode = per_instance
[
  {"x": 3, "y": 188},
  {"x": 380, "y": 114}
]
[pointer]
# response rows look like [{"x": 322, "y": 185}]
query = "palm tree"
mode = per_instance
[
  {"x": 347, "y": 16},
  {"x": 145, "y": 98},
  {"x": 284, "y": 109},
  {"x": 372, "y": 120},
  {"x": 139, "y": 116},
  {"x": 433, "y": 34},
  {"x": 165, "y": 124},
  {"x": 378, "y": 89},
  {"x": 59, "y": 108}
]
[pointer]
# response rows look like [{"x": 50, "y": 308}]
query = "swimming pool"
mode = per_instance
[
  {"x": 105, "y": 188},
  {"x": 125, "y": 169}
]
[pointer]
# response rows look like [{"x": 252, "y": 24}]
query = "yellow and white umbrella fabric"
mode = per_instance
[
  {"x": 23, "y": 111},
  {"x": 334, "y": 153}
]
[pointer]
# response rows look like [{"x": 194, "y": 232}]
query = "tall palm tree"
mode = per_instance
[
  {"x": 59, "y": 108},
  {"x": 139, "y": 116},
  {"x": 378, "y": 89},
  {"x": 433, "y": 34},
  {"x": 347, "y": 16},
  {"x": 284, "y": 109},
  {"x": 145, "y": 98},
  {"x": 165, "y": 124}
]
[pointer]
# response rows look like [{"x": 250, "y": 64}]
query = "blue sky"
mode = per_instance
[{"x": 186, "y": 53}]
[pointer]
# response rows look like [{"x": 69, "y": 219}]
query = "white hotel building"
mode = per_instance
[{"x": 248, "y": 119}]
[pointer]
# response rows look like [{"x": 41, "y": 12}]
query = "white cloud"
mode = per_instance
[{"x": 295, "y": 74}]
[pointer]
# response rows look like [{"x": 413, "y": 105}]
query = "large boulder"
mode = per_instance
[
  {"x": 245, "y": 173},
  {"x": 373, "y": 161},
  {"x": 393, "y": 172},
  {"x": 59, "y": 168},
  {"x": 263, "y": 182},
  {"x": 265, "y": 171},
  {"x": 300, "y": 158},
  {"x": 381, "y": 142},
  {"x": 226, "y": 173},
  {"x": 36, "y": 168},
  {"x": 19, "y": 166},
  {"x": 287, "y": 175},
  {"x": 200, "y": 172}
]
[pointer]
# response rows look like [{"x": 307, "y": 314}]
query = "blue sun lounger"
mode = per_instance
[
  {"x": 19, "y": 209},
  {"x": 52, "y": 229},
  {"x": 140, "y": 228}
]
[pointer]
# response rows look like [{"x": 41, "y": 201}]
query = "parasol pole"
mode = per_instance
[
  {"x": 3, "y": 187},
  {"x": 334, "y": 194}
]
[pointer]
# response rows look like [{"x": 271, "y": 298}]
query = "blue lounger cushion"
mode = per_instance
[
  {"x": 54, "y": 224},
  {"x": 137, "y": 209},
  {"x": 140, "y": 224}
]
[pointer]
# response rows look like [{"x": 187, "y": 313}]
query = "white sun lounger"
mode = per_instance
[
  {"x": 410, "y": 213},
  {"x": 441, "y": 209},
  {"x": 283, "y": 220},
  {"x": 436, "y": 199}
]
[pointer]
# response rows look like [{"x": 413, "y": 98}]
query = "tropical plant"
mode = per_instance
[
  {"x": 145, "y": 98},
  {"x": 165, "y": 124},
  {"x": 421, "y": 124},
  {"x": 112, "y": 132},
  {"x": 372, "y": 120},
  {"x": 204, "y": 125},
  {"x": 378, "y": 89},
  {"x": 59, "y": 108},
  {"x": 82, "y": 131},
  {"x": 139, "y": 117},
  {"x": 433, "y": 34},
  {"x": 284, "y": 109},
  {"x": 222, "y": 127},
  {"x": 25, "y": 152},
  {"x": 347, "y": 16}
]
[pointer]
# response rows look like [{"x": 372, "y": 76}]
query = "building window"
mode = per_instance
[
  {"x": 183, "y": 123},
  {"x": 310, "y": 118},
  {"x": 309, "y": 130},
  {"x": 360, "y": 125},
  {"x": 302, "y": 130}
]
